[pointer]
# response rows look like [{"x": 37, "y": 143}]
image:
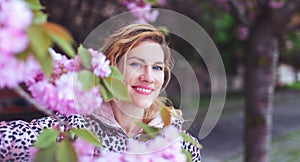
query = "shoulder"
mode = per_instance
[
  {"x": 17, "y": 137},
  {"x": 75, "y": 120}
]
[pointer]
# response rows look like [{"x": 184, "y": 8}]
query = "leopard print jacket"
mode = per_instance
[{"x": 16, "y": 137}]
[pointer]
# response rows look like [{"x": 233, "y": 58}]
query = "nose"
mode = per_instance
[{"x": 147, "y": 75}]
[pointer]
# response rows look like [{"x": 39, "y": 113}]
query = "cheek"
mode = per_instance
[
  {"x": 160, "y": 80},
  {"x": 129, "y": 76}
]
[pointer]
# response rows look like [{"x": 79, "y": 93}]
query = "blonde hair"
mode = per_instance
[{"x": 123, "y": 40}]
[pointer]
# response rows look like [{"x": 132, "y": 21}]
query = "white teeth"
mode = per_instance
[{"x": 144, "y": 90}]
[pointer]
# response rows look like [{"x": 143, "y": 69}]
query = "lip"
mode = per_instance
[{"x": 143, "y": 89}]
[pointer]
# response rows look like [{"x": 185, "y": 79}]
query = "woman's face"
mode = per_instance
[{"x": 143, "y": 70}]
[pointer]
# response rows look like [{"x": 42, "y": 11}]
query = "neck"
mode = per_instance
[{"x": 127, "y": 116}]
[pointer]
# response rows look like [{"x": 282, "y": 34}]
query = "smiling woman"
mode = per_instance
[{"x": 142, "y": 55}]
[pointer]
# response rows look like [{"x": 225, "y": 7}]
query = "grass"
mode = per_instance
[{"x": 294, "y": 86}]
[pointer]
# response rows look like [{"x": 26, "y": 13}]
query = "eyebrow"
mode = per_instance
[{"x": 142, "y": 60}]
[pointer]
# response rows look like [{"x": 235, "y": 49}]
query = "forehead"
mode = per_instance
[{"x": 149, "y": 51}]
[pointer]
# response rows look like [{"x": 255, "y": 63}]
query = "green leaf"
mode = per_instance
[
  {"x": 188, "y": 138},
  {"x": 115, "y": 73},
  {"x": 46, "y": 154},
  {"x": 58, "y": 30},
  {"x": 224, "y": 22},
  {"x": 222, "y": 37},
  {"x": 164, "y": 30},
  {"x": 60, "y": 36},
  {"x": 46, "y": 64},
  {"x": 39, "y": 18},
  {"x": 151, "y": 131},
  {"x": 116, "y": 88},
  {"x": 105, "y": 93},
  {"x": 65, "y": 45},
  {"x": 153, "y": 2},
  {"x": 39, "y": 44},
  {"x": 34, "y": 4},
  {"x": 85, "y": 56},
  {"x": 39, "y": 40},
  {"x": 65, "y": 152},
  {"x": 87, "y": 135},
  {"x": 46, "y": 138},
  {"x": 188, "y": 155},
  {"x": 24, "y": 54},
  {"x": 165, "y": 116},
  {"x": 87, "y": 79}
]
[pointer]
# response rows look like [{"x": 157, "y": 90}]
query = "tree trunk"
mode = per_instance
[{"x": 261, "y": 61}]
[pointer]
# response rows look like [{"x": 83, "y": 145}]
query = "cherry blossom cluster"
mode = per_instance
[
  {"x": 163, "y": 148},
  {"x": 63, "y": 92},
  {"x": 142, "y": 10},
  {"x": 15, "y": 18}
]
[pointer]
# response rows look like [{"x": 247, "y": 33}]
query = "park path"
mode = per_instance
[{"x": 226, "y": 139}]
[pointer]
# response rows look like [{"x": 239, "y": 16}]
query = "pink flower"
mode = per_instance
[
  {"x": 15, "y": 17},
  {"x": 44, "y": 93},
  {"x": 66, "y": 96},
  {"x": 12, "y": 41},
  {"x": 276, "y": 4},
  {"x": 62, "y": 64},
  {"x": 162, "y": 2},
  {"x": 14, "y": 71},
  {"x": 107, "y": 156},
  {"x": 33, "y": 151},
  {"x": 166, "y": 147},
  {"x": 32, "y": 70},
  {"x": 83, "y": 148},
  {"x": 93, "y": 97},
  {"x": 142, "y": 11},
  {"x": 243, "y": 33},
  {"x": 15, "y": 14},
  {"x": 100, "y": 66}
]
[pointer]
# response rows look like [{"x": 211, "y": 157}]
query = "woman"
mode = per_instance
[{"x": 142, "y": 55}]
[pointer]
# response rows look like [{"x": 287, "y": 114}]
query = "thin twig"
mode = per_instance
[
  {"x": 240, "y": 13},
  {"x": 37, "y": 106}
]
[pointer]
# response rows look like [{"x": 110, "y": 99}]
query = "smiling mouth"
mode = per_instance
[{"x": 144, "y": 91}]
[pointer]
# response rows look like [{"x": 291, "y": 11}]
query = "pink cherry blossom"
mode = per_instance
[
  {"x": 100, "y": 66},
  {"x": 162, "y": 2},
  {"x": 14, "y": 71},
  {"x": 243, "y": 33},
  {"x": 83, "y": 148},
  {"x": 66, "y": 96},
  {"x": 44, "y": 93},
  {"x": 33, "y": 151},
  {"x": 276, "y": 4},
  {"x": 166, "y": 147},
  {"x": 15, "y": 14},
  {"x": 61, "y": 64},
  {"x": 12, "y": 41},
  {"x": 15, "y": 17},
  {"x": 142, "y": 11}
]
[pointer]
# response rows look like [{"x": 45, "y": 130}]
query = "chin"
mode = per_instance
[{"x": 143, "y": 104}]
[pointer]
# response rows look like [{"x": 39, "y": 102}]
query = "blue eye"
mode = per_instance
[
  {"x": 136, "y": 64},
  {"x": 158, "y": 68}
]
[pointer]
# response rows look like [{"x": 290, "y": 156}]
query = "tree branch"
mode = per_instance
[
  {"x": 240, "y": 14},
  {"x": 20, "y": 91},
  {"x": 285, "y": 14},
  {"x": 26, "y": 96}
]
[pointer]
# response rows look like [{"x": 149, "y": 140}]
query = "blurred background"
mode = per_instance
[{"x": 259, "y": 42}]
